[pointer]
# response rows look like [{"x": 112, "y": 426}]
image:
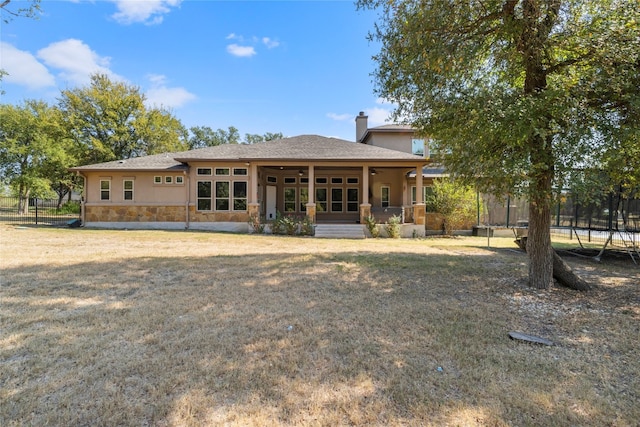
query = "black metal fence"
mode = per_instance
[
  {"x": 502, "y": 211},
  {"x": 38, "y": 211}
]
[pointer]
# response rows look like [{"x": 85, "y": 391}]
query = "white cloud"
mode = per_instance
[
  {"x": 246, "y": 46},
  {"x": 24, "y": 69},
  {"x": 340, "y": 117},
  {"x": 242, "y": 51},
  {"x": 149, "y": 12},
  {"x": 162, "y": 96},
  {"x": 378, "y": 116},
  {"x": 76, "y": 61},
  {"x": 270, "y": 43}
]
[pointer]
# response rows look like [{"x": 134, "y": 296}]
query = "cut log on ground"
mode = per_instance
[
  {"x": 529, "y": 338},
  {"x": 561, "y": 270}
]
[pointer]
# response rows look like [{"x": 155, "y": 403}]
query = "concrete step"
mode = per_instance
[{"x": 340, "y": 231}]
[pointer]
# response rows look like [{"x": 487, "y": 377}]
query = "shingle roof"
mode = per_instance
[
  {"x": 164, "y": 161},
  {"x": 303, "y": 147}
]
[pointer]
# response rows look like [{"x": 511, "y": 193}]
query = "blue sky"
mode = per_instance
[{"x": 296, "y": 67}]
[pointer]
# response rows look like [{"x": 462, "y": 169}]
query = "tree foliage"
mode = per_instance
[
  {"x": 27, "y": 9},
  {"x": 109, "y": 121},
  {"x": 457, "y": 203},
  {"x": 517, "y": 93},
  {"x": 34, "y": 149},
  {"x": 204, "y": 136}
]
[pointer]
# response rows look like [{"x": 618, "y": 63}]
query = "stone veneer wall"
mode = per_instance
[
  {"x": 196, "y": 216},
  {"x": 135, "y": 214}
]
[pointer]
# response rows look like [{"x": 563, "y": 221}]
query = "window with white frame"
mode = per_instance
[
  {"x": 418, "y": 147},
  {"x": 304, "y": 198},
  {"x": 336, "y": 199},
  {"x": 179, "y": 179},
  {"x": 240, "y": 196},
  {"x": 168, "y": 179},
  {"x": 321, "y": 199},
  {"x": 289, "y": 199},
  {"x": 204, "y": 171},
  {"x": 222, "y": 171},
  {"x": 240, "y": 171},
  {"x": 127, "y": 186},
  {"x": 384, "y": 196},
  {"x": 353, "y": 200},
  {"x": 157, "y": 180},
  {"x": 222, "y": 196},
  {"x": 105, "y": 189},
  {"x": 204, "y": 196}
]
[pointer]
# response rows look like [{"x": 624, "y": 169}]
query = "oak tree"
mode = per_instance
[{"x": 515, "y": 93}]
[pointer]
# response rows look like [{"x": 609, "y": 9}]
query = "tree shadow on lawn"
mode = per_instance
[{"x": 349, "y": 338}]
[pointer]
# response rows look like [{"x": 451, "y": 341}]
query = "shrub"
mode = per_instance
[
  {"x": 307, "y": 227},
  {"x": 278, "y": 225},
  {"x": 372, "y": 226},
  {"x": 256, "y": 222},
  {"x": 393, "y": 226},
  {"x": 456, "y": 203}
]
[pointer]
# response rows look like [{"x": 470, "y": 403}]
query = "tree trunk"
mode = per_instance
[
  {"x": 539, "y": 236},
  {"x": 561, "y": 271}
]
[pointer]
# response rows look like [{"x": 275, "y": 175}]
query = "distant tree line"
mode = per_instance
[{"x": 101, "y": 122}]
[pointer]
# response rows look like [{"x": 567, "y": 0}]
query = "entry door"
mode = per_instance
[{"x": 272, "y": 192}]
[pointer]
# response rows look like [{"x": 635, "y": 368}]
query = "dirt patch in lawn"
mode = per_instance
[{"x": 186, "y": 328}]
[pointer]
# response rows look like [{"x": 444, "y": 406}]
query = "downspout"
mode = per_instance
[
  {"x": 186, "y": 217},
  {"x": 83, "y": 198}
]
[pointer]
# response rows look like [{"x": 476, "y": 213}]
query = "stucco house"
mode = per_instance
[{"x": 218, "y": 188}]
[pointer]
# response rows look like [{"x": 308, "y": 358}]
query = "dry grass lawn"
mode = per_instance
[{"x": 188, "y": 329}]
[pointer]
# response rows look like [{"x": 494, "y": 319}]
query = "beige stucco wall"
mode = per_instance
[
  {"x": 145, "y": 190},
  {"x": 393, "y": 141},
  {"x": 392, "y": 178}
]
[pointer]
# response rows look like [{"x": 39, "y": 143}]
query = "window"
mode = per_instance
[
  {"x": 335, "y": 180},
  {"x": 204, "y": 195},
  {"x": 353, "y": 202},
  {"x": 157, "y": 180},
  {"x": 272, "y": 179},
  {"x": 289, "y": 199},
  {"x": 352, "y": 180},
  {"x": 222, "y": 171},
  {"x": 222, "y": 195},
  {"x": 290, "y": 180},
  {"x": 240, "y": 171},
  {"x": 384, "y": 197},
  {"x": 168, "y": 179},
  {"x": 321, "y": 199},
  {"x": 321, "y": 180},
  {"x": 417, "y": 147},
  {"x": 304, "y": 180},
  {"x": 336, "y": 200},
  {"x": 179, "y": 179},
  {"x": 304, "y": 199},
  {"x": 426, "y": 192},
  {"x": 204, "y": 171},
  {"x": 105, "y": 189},
  {"x": 240, "y": 196},
  {"x": 127, "y": 185}
]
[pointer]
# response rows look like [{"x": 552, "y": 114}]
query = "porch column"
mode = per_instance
[
  {"x": 419, "y": 212},
  {"x": 365, "y": 207},
  {"x": 253, "y": 183},
  {"x": 311, "y": 204},
  {"x": 253, "y": 205}
]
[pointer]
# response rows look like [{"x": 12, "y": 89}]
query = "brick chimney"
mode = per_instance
[{"x": 361, "y": 126}]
